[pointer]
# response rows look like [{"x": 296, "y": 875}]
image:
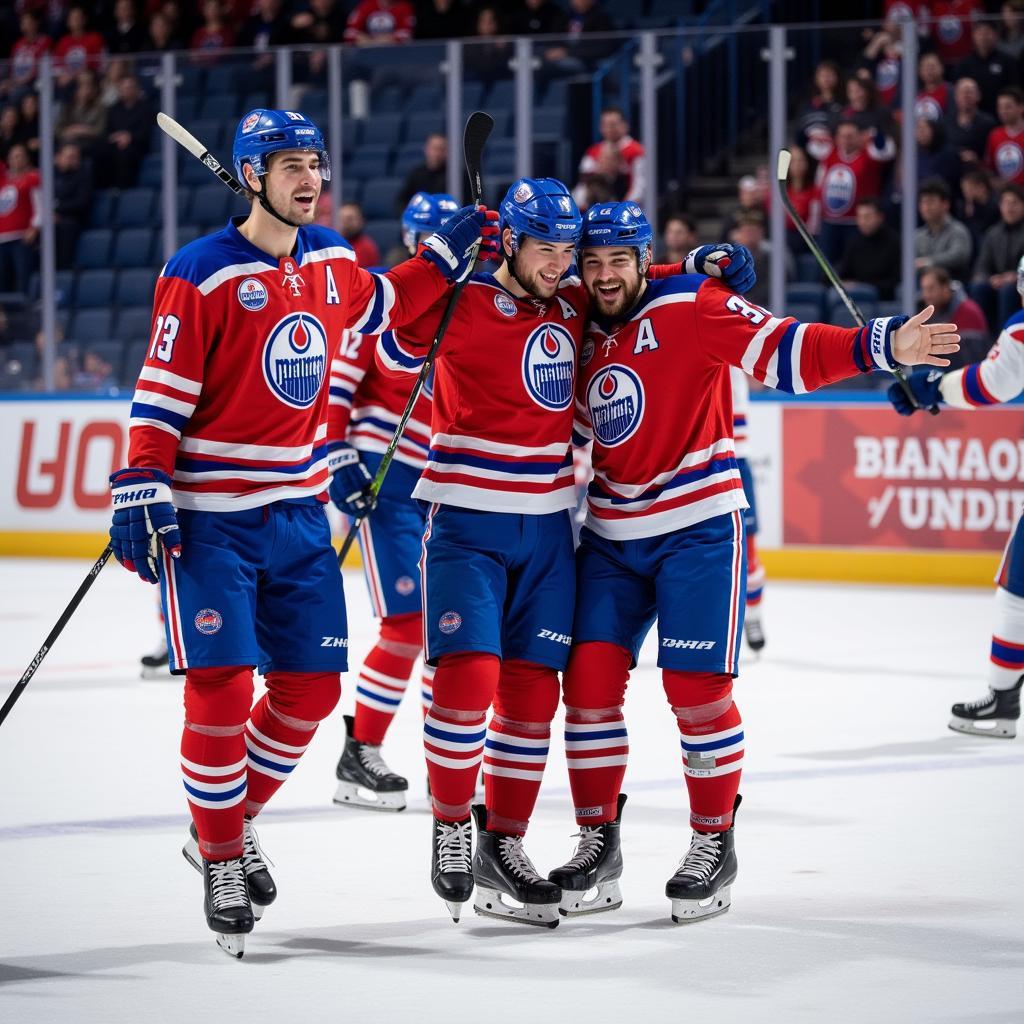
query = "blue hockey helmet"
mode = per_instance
[
  {"x": 622, "y": 225},
  {"x": 541, "y": 208},
  {"x": 262, "y": 132},
  {"x": 424, "y": 214}
]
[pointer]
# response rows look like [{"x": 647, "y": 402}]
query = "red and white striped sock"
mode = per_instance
[
  {"x": 1006, "y": 661},
  {"x": 384, "y": 676}
]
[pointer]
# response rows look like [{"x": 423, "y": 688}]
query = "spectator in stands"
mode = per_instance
[
  {"x": 380, "y": 21},
  {"x": 353, "y": 225},
  {"x": 951, "y": 26},
  {"x": 127, "y": 34},
  {"x": 872, "y": 255},
  {"x": 31, "y": 45},
  {"x": 83, "y": 119},
  {"x": 214, "y": 33},
  {"x": 162, "y": 36},
  {"x": 850, "y": 171},
  {"x": 129, "y": 122},
  {"x": 863, "y": 107},
  {"x": 28, "y": 115},
  {"x": 989, "y": 66},
  {"x": 678, "y": 238},
  {"x": 953, "y": 306},
  {"x": 95, "y": 374},
  {"x": 936, "y": 97},
  {"x": 750, "y": 231},
  {"x": 803, "y": 194},
  {"x": 1012, "y": 40},
  {"x": 429, "y": 176},
  {"x": 882, "y": 59},
  {"x": 485, "y": 58},
  {"x": 19, "y": 220},
  {"x": 110, "y": 84},
  {"x": 750, "y": 198},
  {"x": 11, "y": 132},
  {"x": 317, "y": 23},
  {"x": 1004, "y": 153},
  {"x": 441, "y": 19},
  {"x": 538, "y": 18},
  {"x": 968, "y": 128},
  {"x": 72, "y": 197},
  {"x": 935, "y": 156},
  {"x": 267, "y": 26},
  {"x": 941, "y": 241},
  {"x": 586, "y": 18},
  {"x": 617, "y": 151},
  {"x": 994, "y": 287},
  {"x": 818, "y": 120},
  {"x": 80, "y": 49},
  {"x": 977, "y": 209}
]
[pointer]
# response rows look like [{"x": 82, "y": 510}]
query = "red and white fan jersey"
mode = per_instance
[{"x": 844, "y": 180}]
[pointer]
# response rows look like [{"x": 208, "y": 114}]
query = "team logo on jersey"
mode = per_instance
[
  {"x": 8, "y": 199},
  {"x": 927, "y": 108},
  {"x": 505, "y": 303},
  {"x": 250, "y": 122},
  {"x": 949, "y": 29},
  {"x": 887, "y": 74},
  {"x": 588, "y": 352},
  {"x": 405, "y": 585},
  {"x": 449, "y": 622},
  {"x": 295, "y": 359},
  {"x": 615, "y": 399},
  {"x": 1009, "y": 160},
  {"x": 208, "y": 621},
  {"x": 839, "y": 189},
  {"x": 252, "y": 294},
  {"x": 549, "y": 366}
]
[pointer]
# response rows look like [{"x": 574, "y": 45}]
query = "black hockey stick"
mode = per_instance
[
  {"x": 188, "y": 141},
  {"x": 58, "y": 628},
  {"x": 782, "y": 174},
  {"x": 478, "y": 128}
]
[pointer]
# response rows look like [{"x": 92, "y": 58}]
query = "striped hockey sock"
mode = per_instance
[
  {"x": 213, "y": 770},
  {"x": 427, "y": 688},
  {"x": 385, "y": 675},
  {"x": 596, "y": 750},
  {"x": 514, "y": 757},
  {"x": 1006, "y": 661},
  {"x": 274, "y": 742}
]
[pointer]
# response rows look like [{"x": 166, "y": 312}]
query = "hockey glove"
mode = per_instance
[
  {"x": 451, "y": 247},
  {"x": 144, "y": 519},
  {"x": 350, "y": 481},
  {"x": 925, "y": 386},
  {"x": 733, "y": 264}
]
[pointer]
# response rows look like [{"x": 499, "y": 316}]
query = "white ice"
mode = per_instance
[{"x": 879, "y": 852}]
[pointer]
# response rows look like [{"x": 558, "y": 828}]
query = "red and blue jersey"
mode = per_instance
[
  {"x": 231, "y": 401},
  {"x": 654, "y": 394},
  {"x": 998, "y": 377}
]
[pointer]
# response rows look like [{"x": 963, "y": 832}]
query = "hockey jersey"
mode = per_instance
[
  {"x": 844, "y": 180},
  {"x": 1004, "y": 153},
  {"x": 740, "y": 408},
  {"x": 367, "y": 404},
  {"x": 654, "y": 394},
  {"x": 999, "y": 377},
  {"x": 230, "y": 400}
]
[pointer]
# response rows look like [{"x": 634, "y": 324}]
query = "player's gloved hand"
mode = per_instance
[
  {"x": 451, "y": 247},
  {"x": 350, "y": 481},
  {"x": 144, "y": 518},
  {"x": 733, "y": 264},
  {"x": 925, "y": 387}
]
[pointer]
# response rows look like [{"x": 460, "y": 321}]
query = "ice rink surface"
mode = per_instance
[{"x": 879, "y": 852}]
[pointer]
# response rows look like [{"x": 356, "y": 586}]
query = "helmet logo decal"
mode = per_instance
[
  {"x": 250, "y": 121},
  {"x": 293, "y": 116},
  {"x": 295, "y": 359},
  {"x": 522, "y": 193},
  {"x": 549, "y": 366}
]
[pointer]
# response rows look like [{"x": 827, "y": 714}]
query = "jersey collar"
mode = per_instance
[{"x": 256, "y": 253}]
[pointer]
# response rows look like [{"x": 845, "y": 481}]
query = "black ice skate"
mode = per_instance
[
  {"x": 156, "y": 664},
  {"x": 365, "y": 780},
  {"x": 508, "y": 886},
  {"x": 589, "y": 880},
  {"x": 753, "y": 630},
  {"x": 995, "y": 715},
  {"x": 701, "y": 886},
  {"x": 451, "y": 864},
  {"x": 227, "y": 906},
  {"x": 262, "y": 890}
]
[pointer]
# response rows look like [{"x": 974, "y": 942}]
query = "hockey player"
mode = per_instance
[
  {"x": 223, "y": 497},
  {"x": 753, "y": 628},
  {"x": 365, "y": 407},
  {"x": 664, "y": 536},
  {"x": 997, "y": 378},
  {"x": 497, "y": 565}
]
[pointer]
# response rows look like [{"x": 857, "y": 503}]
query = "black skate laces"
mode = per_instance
[
  {"x": 591, "y": 842},
  {"x": 455, "y": 846},
  {"x": 702, "y": 856},
  {"x": 253, "y": 857},
  {"x": 227, "y": 884},
  {"x": 513, "y": 857}
]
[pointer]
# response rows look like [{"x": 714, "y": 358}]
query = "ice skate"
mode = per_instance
[
  {"x": 262, "y": 890},
  {"x": 508, "y": 886},
  {"x": 227, "y": 906},
  {"x": 995, "y": 715},
  {"x": 451, "y": 864},
  {"x": 701, "y": 886},
  {"x": 589, "y": 880},
  {"x": 365, "y": 780},
  {"x": 156, "y": 664},
  {"x": 753, "y": 630}
]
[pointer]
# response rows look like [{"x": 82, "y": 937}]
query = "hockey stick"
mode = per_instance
[
  {"x": 58, "y": 628},
  {"x": 478, "y": 128},
  {"x": 782, "y": 174},
  {"x": 188, "y": 141}
]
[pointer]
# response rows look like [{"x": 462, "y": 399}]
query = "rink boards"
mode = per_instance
[{"x": 847, "y": 490}]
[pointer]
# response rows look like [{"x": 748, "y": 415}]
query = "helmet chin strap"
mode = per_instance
[{"x": 261, "y": 196}]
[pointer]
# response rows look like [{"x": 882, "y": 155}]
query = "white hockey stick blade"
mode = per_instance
[
  {"x": 783, "y": 165},
  {"x": 180, "y": 135}
]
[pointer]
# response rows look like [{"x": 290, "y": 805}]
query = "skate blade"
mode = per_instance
[
  {"x": 606, "y": 896},
  {"x": 688, "y": 911},
  {"x": 258, "y": 910},
  {"x": 492, "y": 903},
  {"x": 233, "y": 945},
  {"x": 455, "y": 909},
  {"x": 190, "y": 851},
  {"x": 349, "y": 794},
  {"x": 996, "y": 728}
]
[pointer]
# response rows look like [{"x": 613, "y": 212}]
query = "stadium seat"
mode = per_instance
[
  {"x": 424, "y": 123},
  {"x": 65, "y": 287},
  {"x": 222, "y": 80},
  {"x": 135, "y": 287},
  {"x": 894, "y": 308},
  {"x": 384, "y": 232},
  {"x": 212, "y": 132},
  {"x": 151, "y": 170},
  {"x": 807, "y": 268},
  {"x": 862, "y": 295},
  {"x": 135, "y": 207},
  {"x": 379, "y": 198},
  {"x": 501, "y": 158},
  {"x": 134, "y": 357},
  {"x": 807, "y": 293},
  {"x": 133, "y": 323},
  {"x": 501, "y": 95},
  {"x": 186, "y": 233},
  {"x": 94, "y": 288},
  {"x": 101, "y": 214},
  {"x": 549, "y": 123},
  {"x": 222, "y": 107},
  {"x": 210, "y": 205},
  {"x": 133, "y": 247},
  {"x": 93, "y": 248},
  {"x": 805, "y": 312},
  {"x": 386, "y": 99},
  {"x": 91, "y": 325},
  {"x": 840, "y": 316},
  {"x": 251, "y": 101},
  {"x": 428, "y": 99},
  {"x": 369, "y": 162},
  {"x": 192, "y": 173},
  {"x": 407, "y": 156},
  {"x": 383, "y": 130}
]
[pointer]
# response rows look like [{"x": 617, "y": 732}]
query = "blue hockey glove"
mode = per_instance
[
  {"x": 144, "y": 519},
  {"x": 732, "y": 263},
  {"x": 350, "y": 481},
  {"x": 925, "y": 386},
  {"x": 450, "y": 248}
]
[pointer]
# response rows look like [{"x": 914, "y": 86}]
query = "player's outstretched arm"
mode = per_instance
[{"x": 918, "y": 342}]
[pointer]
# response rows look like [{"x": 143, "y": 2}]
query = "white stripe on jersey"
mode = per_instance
[
  {"x": 756, "y": 346},
  {"x": 664, "y": 300},
  {"x": 723, "y": 446},
  {"x": 228, "y": 501},
  {"x": 230, "y": 272},
  {"x": 252, "y": 452},
  {"x": 162, "y": 401},
  {"x": 491, "y": 500},
  {"x": 498, "y": 447},
  {"x": 253, "y": 474},
  {"x": 654, "y": 524},
  {"x": 171, "y": 380},
  {"x": 332, "y": 252}
]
